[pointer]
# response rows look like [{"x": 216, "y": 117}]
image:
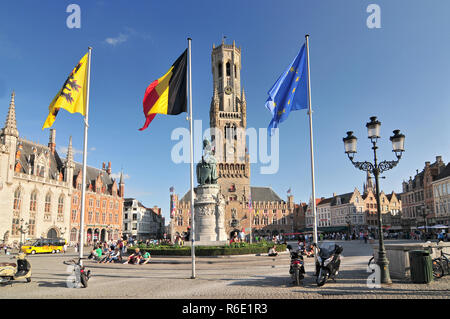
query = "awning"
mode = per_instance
[{"x": 326, "y": 229}]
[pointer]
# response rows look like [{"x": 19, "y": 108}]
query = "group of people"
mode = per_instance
[
  {"x": 137, "y": 258},
  {"x": 114, "y": 251}
]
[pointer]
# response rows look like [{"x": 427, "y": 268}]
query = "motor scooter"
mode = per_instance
[
  {"x": 328, "y": 262},
  {"x": 13, "y": 271},
  {"x": 297, "y": 268}
]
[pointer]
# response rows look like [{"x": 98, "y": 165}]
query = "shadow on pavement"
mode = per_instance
[{"x": 49, "y": 284}]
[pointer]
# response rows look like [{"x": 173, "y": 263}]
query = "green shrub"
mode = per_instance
[{"x": 233, "y": 249}]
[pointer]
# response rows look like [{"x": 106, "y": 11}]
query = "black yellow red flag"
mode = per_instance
[{"x": 167, "y": 95}]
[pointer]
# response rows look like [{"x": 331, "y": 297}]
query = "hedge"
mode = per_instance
[{"x": 238, "y": 249}]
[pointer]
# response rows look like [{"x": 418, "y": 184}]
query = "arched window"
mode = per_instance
[
  {"x": 220, "y": 69},
  {"x": 17, "y": 199},
  {"x": 227, "y": 129},
  {"x": 48, "y": 201},
  {"x": 33, "y": 198},
  {"x": 32, "y": 225},
  {"x": 73, "y": 234},
  {"x": 235, "y": 73},
  {"x": 60, "y": 205},
  {"x": 228, "y": 69}
]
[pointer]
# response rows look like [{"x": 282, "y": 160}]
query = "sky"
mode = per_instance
[{"x": 399, "y": 73}]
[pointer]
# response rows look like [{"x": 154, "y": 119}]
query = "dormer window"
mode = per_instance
[{"x": 40, "y": 170}]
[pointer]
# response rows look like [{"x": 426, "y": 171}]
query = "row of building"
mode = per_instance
[
  {"x": 259, "y": 211},
  {"x": 40, "y": 194}
]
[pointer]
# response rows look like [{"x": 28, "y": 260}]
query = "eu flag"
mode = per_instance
[{"x": 290, "y": 91}]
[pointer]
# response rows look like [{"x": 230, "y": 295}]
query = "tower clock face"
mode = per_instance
[{"x": 228, "y": 90}]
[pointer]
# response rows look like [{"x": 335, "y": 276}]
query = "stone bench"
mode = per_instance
[{"x": 398, "y": 256}]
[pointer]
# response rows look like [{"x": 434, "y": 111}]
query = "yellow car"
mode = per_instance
[{"x": 43, "y": 245}]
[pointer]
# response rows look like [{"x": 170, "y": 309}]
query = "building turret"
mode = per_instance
[
  {"x": 52, "y": 141},
  {"x": 121, "y": 186},
  {"x": 69, "y": 165},
  {"x": 10, "y": 128},
  {"x": 10, "y": 135}
]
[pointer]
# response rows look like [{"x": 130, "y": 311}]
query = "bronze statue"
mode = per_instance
[{"x": 206, "y": 169}]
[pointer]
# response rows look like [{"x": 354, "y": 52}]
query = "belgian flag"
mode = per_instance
[{"x": 167, "y": 95}]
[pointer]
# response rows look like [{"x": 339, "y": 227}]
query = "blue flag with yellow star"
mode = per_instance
[{"x": 290, "y": 91}]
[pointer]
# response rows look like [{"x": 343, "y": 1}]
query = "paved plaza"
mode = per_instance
[{"x": 236, "y": 277}]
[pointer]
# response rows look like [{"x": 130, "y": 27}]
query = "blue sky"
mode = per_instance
[{"x": 399, "y": 73}]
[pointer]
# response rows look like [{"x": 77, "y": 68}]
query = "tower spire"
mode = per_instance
[
  {"x": 10, "y": 124},
  {"x": 69, "y": 156},
  {"x": 368, "y": 184}
]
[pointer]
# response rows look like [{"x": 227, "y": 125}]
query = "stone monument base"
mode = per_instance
[{"x": 209, "y": 217}]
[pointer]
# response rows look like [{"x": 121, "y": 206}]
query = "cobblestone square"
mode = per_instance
[{"x": 237, "y": 277}]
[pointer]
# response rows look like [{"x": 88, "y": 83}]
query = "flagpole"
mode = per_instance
[
  {"x": 192, "y": 160},
  {"x": 311, "y": 145},
  {"x": 86, "y": 125}
]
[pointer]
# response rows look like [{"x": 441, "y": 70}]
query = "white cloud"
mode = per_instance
[
  {"x": 124, "y": 36},
  {"x": 121, "y": 38}
]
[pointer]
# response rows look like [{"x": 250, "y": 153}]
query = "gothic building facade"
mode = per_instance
[
  {"x": 255, "y": 210},
  {"x": 40, "y": 193}
]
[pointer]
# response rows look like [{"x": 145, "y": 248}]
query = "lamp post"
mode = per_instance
[
  {"x": 398, "y": 140},
  {"x": 349, "y": 225},
  {"x": 23, "y": 230},
  {"x": 423, "y": 213}
]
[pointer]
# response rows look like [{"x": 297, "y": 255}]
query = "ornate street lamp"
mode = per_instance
[
  {"x": 349, "y": 226},
  {"x": 23, "y": 230},
  {"x": 398, "y": 142}
]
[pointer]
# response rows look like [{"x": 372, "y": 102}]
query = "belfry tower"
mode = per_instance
[{"x": 228, "y": 121}]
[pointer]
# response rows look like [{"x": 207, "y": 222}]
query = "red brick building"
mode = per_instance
[{"x": 103, "y": 205}]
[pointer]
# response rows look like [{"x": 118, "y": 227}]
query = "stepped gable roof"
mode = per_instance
[
  {"x": 27, "y": 157},
  {"x": 445, "y": 173},
  {"x": 259, "y": 194}
]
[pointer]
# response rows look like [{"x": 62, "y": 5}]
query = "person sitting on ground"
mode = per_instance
[
  {"x": 310, "y": 251},
  {"x": 112, "y": 256},
  {"x": 134, "y": 258},
  {"x": 145, "y": 258},
  {"x": 106, "y": 256},
  {"x": 99, "y": 253},
  {"x": 273, "y": 251}
]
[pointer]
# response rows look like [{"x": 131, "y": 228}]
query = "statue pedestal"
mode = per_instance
[{"x": 206, "y": 216}]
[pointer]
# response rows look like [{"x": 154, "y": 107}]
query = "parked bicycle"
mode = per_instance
[
  {"x": 441, "y": 265},
  {"x": 79, "y": 274}
]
